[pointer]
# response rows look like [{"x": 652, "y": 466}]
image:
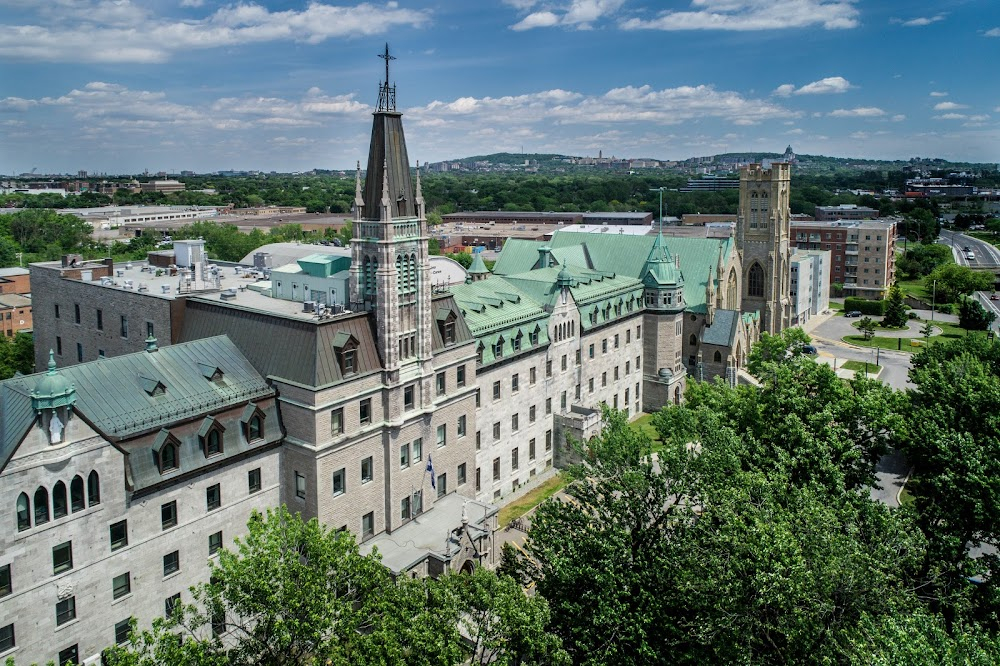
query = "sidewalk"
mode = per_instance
[{"x": 873, "y": 370}]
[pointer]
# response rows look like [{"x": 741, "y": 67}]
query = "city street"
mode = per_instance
[{"x": 986, "y": 254}]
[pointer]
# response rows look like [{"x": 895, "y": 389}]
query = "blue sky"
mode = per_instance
[{"x": 120, "y": 86}]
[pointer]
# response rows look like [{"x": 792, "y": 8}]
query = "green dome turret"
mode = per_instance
[{"x": 53, "y": 390}]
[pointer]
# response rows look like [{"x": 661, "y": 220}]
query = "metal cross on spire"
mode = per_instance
[{"x": 386, "y": 93}]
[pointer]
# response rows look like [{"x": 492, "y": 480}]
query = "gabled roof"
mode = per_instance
[{"x": 722, "y": 332}]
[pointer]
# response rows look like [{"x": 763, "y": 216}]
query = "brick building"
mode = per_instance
[{"x": 862, "y": 253}]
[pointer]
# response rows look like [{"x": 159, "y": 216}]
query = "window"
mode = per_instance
[
  {"x": 616, "y": 373},
  {"x": 496, "y": 390},
  {"x": 365, "y": 411},
  {"x": 124, "y": 327},
  {"x": 531, "y": 414},
  {"x": 562, "y": 401},
  {"x": 563, "y": 364},
  {"x": 628, "y": 367},
  {"x": 479, "y": 398},
  {"x": 348, "y": 358},
  {"x": 76, "y": 494},
  {"x": 59, "y": 504},
  {"x": 7, "y": 638},
  {"x": 496, "y": 469},
  {"x": 461, "y": 426},
  {"x": 337, "y": 421},
  {"x": 479, "y": 439},
  {"x": 404, "y": 508},
  {"x": 367, "y": 525},
  {"x": 628, "y": 336},
  {"x": 604, "y": 346},
  {"x": 590, "y": 384},
  {"x": 213, "y": 497},
  {"x": 548, "y": 406},
  {"x": 461, "y": 474},
  {"x": 442, "y": 435},
  {"x": 93, "y": 489},
  {"x": 214, "y": 543},
  {"x": 59, "y": 345},
  {"x": 171, "y": 563},
  {"x": 300, "y": 486},
  {"x": 604, "y": 379},
  {"x": 460, "y": 375},
  {"x": 579, "y": 357},
  {"x": 121, "y": 585},
  {"x": 339, "y": 482},
  {"x": 515, "y": 383},
  {"x": 213, "y": 443},
  {"x": 755, "y": 281},
  {"x": 442, "y": 485},
  {"x": 418, "y": 448},
  {"x": 616, "y": 341},
  {"x": 62, "y": 557},
  {"x": 479, "y": 479},
  {"x": 637, "y": 360},
  {"x": 440, "y": 381},
  {"x": 149, "y": 329},
  {"x": 548, "y": 440},
  {"x": 367, "y": 469},
  {"x": 168, "y": 515},
  {"x": 41, "y": 506},
  {"x": 119, "y": 535},
  {"x": 531, "y": 449},
  {"x": 531, "y": 375},
  {"x": 170, "y": 603},
  {"x": 591, "y": 350},
  {"x": 255, "y": 429},
  {"x": 514, "y": 425},
  {"x": 496, "y": 431},
  {"x": 513, "y": 458},
  {"x": 404, "y": 456},
  {"x": 79, "y": 352},
  {"x": 168, "y": 457},
  {"x": 548, "y": 368},
  {"x": 122, "y": 630},
  {"x": 65, "y": 611},
  {"x": 57, "y": 310},
  {"x": 70, "y": 655},
  {"x": 5, "y": 586},
  {"x": 449, "y": 332},
  {"x": 100, "y": 320},
  {"x": 253, "y": 480}
]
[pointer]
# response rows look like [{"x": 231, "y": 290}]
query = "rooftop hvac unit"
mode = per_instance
[
  {"x": 106, "y": 282},
  {"x": 309, "y": 306},
  {"x": 228, "y": 295},
  {"x": 165, "y": 288},
  {"x": 121, "y": 273},
  {"x": 128, "y": 284},
  {"x": 143, "y": 286},
  {"x": 337, "y": 308}
]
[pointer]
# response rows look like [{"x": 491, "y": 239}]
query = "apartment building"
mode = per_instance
[{"x": 862, "y": 253}]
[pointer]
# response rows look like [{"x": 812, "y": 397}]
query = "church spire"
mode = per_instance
[
  {"x": 359, "y": 202},
  {"x": 388, "y": 164}
]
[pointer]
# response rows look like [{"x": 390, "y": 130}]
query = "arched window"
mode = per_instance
[
  {"x": 168, "y": 457},
  {"x": 76, "y": 494},
  {"x": 718, "y": 357},
  {"x": 255, "y": 428},
  {"x": 213, "y": 443},
  {"x": 23, "y": 512},
  {"x": 59, "y": 506},
  {"x": 755, "y": 281},
  {"x": 693, "y": 340},
  {"x": 93, "y": 489},
  {"x": 41, "y": 505}
]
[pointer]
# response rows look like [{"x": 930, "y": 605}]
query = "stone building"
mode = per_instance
[{"x": 121, "y": 478}]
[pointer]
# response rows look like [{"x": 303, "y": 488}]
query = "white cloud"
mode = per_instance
[
  {"x": 742, "y": 15},
  {"x": 859, "y": 112},
  {"x": 938, "y": 94},
  {"x": 951, "y": 116},
  {"x": 580, "y": 14},
  {"x": 899, "y": 117},
  {"x": 797, "y": 130},
  {"x": 829, "y": 85},
  {"x": 16, "y": 104},
  {"x": 919, "y": 21},
  {"x": 192, "y": 3},
  {"x": 949, "y": 106},
  {"x": 993, "y": 32},
  {"x": 116, "y": 32},
  {"x": 861, "y": 136}
]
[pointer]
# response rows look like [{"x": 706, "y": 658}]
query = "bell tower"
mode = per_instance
[
  {"x": 762, "y": 228},
  {"x": 390, "y": 266}
]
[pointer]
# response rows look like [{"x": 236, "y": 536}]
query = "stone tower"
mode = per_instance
[
  {"x": 390, "y": 266},
  {"x": 762, "y": 228},
  {"x": 663, "y": 321}
]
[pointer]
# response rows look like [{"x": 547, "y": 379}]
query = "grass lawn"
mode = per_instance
[
  {"x": 914, "y": 288},
  {"x": 644, "y": 424},
  {"x": 836, "y": 307},
  {"x": 905, "y": 496},
  {"x": 523, "y": 505},
  {"x": 949, "y": 331},
  {"x": 858, "y": 366}
]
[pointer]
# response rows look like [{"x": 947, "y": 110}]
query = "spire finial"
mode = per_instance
[
  {"x": 52, "y": 362},
  {"x": 419, "y": 193},
  {"x": 386, "y": 93},
  {"x": 359, "y": 201}
]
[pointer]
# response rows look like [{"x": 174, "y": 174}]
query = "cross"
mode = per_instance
[{"x": 385, "y": 56}]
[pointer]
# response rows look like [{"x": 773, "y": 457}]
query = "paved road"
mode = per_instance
[{"x": 987, "y": 255}]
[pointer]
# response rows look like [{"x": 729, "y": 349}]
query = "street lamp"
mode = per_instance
[
  {"x": 933, "y": 299},
  {"x": 660, "y": 190}
]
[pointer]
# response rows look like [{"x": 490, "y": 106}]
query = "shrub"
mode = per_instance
[{"x": 865, "y": 306}]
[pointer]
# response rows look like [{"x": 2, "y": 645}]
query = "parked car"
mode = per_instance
[
  {"x": 809, "y": 349},
  {"x": 853, "y": 313}
]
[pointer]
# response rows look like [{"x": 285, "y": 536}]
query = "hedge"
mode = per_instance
[{"x": 866, "y": 307}]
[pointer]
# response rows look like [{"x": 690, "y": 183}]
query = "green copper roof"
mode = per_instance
[
  {"x": 498, "y": 311},
  {"x": 478, "y": 266},
  {"x": 53, "y": 389},
  {"x": 623, "y": 256}
]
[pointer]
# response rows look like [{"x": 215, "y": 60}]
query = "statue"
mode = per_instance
[{"x": 55, "y": 429}]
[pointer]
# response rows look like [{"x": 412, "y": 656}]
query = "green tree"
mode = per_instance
[
  {"x": 867, "y": 327},
  {"x": 776, "y": 348},
  {"x": 949, "y": 281},
  {"x": 895, "y": 309},
  {"x": 17, "y": 354},
  {"x": 972, "y": 316}
]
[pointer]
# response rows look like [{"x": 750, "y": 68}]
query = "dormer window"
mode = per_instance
[
  {"x": 516, "y": 342},
  {"x": 210, "y": 436},
  {"x": 346, "y": 346},
  {"x": 211, "y": 372},
  {"x": 167, "y": 450},
  {"x": 152, "y": 387},
  {"x": 593, "y": 316},
  {"x": 479, "y": 353},
  {"x": 533, "y": 336},
  {"x": 252, "y": 421},
  {"x": 498, "y": 348},
  {"x": 446, "y": 320}
]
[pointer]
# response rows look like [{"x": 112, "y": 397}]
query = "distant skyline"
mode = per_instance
[{"x": 289, "y": 85}]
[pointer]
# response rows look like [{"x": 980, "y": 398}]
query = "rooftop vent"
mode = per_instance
[
  {"x": 143, "y": 286},
  {"x": 165, "y": 288},
  {"x": 228, "y": 295},
  {"x": 309, "y": 306}
]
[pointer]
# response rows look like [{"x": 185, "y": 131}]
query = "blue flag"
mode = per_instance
[{"x": 430, "y": 468}]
